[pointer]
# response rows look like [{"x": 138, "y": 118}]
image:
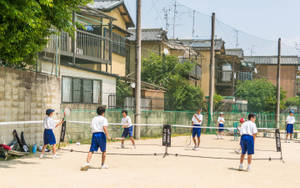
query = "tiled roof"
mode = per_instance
[
  {"x": 235, "y": 52},
  {"x": 272, "y": 60},
  {"x": 108, "y": 5},
  {"x": 196, "y": 43},
  {"x": 156, "y": 34},
  {"x": 105, "y": 4}
]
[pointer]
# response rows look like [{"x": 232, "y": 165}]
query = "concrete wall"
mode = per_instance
[
  {"x": 24, "y": 96},
  {"x": 287, "y": 76}
]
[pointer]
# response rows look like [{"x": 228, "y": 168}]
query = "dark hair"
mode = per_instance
[
  {"x": 100, "y": 110},
  {"x": 251, "y": 116},
  {"x": 199, "y": 109},
  {"x": 124, "y": 111}
]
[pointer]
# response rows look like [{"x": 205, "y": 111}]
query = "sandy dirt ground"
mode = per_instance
[{"x": 156, "y": 171}]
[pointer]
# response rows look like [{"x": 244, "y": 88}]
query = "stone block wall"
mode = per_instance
[{"x": 24, "y": 96}]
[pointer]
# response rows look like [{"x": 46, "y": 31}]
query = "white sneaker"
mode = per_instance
[
  {"x": 122, "y": 146},
  {"x": 41, "y": 156},
  {"x": 85, "y": 167},
  {"x": 248, "y": 168},
  {"x": 55, "y": 156},
  {"x": 133, "y": 147},
  {"x": 241, "y": 167},
  {"x": 104, "y": 167}
]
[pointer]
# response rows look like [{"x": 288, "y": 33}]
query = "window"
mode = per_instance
[
  {"x": 118, "y": 45},
  {"x": 78, "y": 90},
  {"x": 226, "y": 72}
]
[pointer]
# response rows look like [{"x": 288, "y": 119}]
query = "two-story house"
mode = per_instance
[{"x": 90, "y": 61}]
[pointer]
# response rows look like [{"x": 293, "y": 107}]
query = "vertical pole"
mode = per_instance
[
  {"x": 110, "y": 45},
  {"x": 212, "y": 72},
  {"x": 174, "y": 18},
  {"x": 278, "y": 85},
  {"x": 138, "y": 69},
  {"x": 75, "y": 36},
  {"x": 193, "y": 29}
]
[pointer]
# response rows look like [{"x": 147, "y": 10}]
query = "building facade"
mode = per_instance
[{"x": 267, "y": 68}]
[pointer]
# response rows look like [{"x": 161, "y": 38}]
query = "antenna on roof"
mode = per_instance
[
  {"x": 166, "y": 17},
  {"x": 193, "y": 29},
  {"x": 174, "y": 19}
]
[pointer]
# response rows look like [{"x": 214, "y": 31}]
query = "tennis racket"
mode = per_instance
[
  {"x": 188, "y": 142},
  {"x": 67, "y": 112}
]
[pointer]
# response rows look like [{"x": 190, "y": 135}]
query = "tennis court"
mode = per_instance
[{"x": 146, "y": 167}]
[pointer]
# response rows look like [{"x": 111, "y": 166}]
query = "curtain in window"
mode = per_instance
[
  {"x": 66, "y": 89},
  {"x": 76, "y": 90},
  {"x": 87, "y": 91},
  {"x": 96, "y": 91}
]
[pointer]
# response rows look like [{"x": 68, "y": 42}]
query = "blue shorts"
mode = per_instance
[
  {"x": 221, "y": 129},
  {"x": 98, "y": 141},
  {"x": 196, "y": 131},
  {"x": 247, "y": 144},
  {"x": 289, "y": 128},
  {"x": 128, "y": 132},
  {"x": 49, "y": 137}
]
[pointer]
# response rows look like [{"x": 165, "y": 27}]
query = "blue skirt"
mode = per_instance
[{"x": 49, "y": 137}]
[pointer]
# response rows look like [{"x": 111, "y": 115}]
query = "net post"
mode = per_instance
[
  {"x": 166, "y": 138},
  {"x": 278, "y": 143}
]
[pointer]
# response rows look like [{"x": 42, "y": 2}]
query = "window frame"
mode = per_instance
[
  {"x": 81, "y": 90},
  {"x": 118, "y": 46}
]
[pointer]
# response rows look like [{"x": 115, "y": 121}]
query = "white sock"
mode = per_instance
[{"x": 87, "y": 164}]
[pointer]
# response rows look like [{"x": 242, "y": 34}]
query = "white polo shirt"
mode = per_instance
[
  {"x": 290, "y": 119},
  {"x": 126, "y": 121},
  {"x": 248, "y": 128},
  {"x": 195, "y": 120},
  {"x": 98, "y": 123},
  {"x": 48, "y": 123},
  {"x": 221, "y": 120}
]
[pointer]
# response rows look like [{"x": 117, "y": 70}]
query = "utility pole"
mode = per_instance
[
  {"x": 212, "y": 72},
  {"x": 193, "y": 29},
  {"x": 278, "y": 85},
  {"x": 166, "y": 16},
  {"x": 237, "y": 38},
  {"x": 174, "y": 18},
  {"x": 138, "y": 69}
]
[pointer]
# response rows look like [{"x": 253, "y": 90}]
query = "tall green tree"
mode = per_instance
[
  {"x": 168, "y": 72},
  {"x": 25, "y": 24},
  {"x": 261, "y": 95}
]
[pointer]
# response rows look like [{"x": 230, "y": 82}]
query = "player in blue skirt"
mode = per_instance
[
  {"x": 248, "y": 133},
  {"x": 290, "y": 121},
  {"x": 49, "y": 137}
]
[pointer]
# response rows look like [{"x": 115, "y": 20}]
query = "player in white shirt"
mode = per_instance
[
  {"x": 248, "y": 133},
  {"x": 49, "y": 137},
  {"x": 290, "y": 121},
  {"x": 221, "y": 122},
  {"x": 197, "y": 121},
  {"x": 128, "y": 129},
  {"x": 100, "y": 134}
]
